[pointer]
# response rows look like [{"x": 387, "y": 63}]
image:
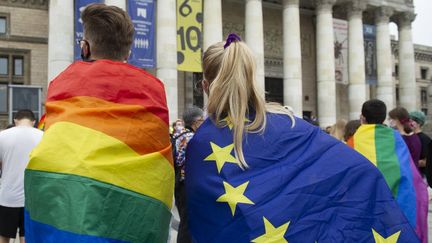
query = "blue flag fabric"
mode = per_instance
[{"x": 301, "y": 186}]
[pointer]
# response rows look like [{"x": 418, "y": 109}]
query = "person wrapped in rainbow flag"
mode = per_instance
[
  {"x": 103, "y": 171},
  {"x": 386, "y": 149}
]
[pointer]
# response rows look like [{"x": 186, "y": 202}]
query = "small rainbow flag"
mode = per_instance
[
  {"x": 103, "y": 171},
  {"x": 41, "y": 123},
  {"x": 386, "y": 149}
]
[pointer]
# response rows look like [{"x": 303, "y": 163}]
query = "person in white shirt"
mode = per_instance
[{"x": 16, "y": 143}]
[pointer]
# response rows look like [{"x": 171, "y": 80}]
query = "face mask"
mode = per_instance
[{"x": 179, "y": 128}]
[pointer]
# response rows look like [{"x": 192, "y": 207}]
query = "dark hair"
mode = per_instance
[
  {"x": 25, "y": 114},
  {"x": 190, "y": 115},
  {"x": 374, "y": 111},
  {"x": 109, "y": 31},
  {"x": 402, "y": 115},
  {"x": 351, "y": 128}
]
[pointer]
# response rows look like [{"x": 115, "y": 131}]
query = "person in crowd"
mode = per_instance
[
  {"x": 103, "y": 171},
  {"x": 16, "y": 143},
  {"x": 386, "y": 149},
  {"x": 399, "y": 119},
  {"x": 418, "y": 119},
  {"x": 338, "y": 129},
  {"x": 255, "y": 173},
  {"x": 350, "y": 129},
  {"x": 328, "y": 129},
  {"x": 192, "y": 117},
  {"x": 178, "y": 127}
]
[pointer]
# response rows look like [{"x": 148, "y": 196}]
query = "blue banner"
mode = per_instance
[
  {"x": 78, "y": 28},
  {"x": 142, "y": 13},
  {"x": 369, "y": 35}
]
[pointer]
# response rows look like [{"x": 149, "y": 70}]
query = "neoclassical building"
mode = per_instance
[{"x": 294, "y": 45}]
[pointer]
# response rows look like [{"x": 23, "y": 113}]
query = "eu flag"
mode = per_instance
[{"x": 301, "y": 186}]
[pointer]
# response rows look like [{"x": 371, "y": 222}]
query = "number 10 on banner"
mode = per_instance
[{"x": 189, "y": 35}]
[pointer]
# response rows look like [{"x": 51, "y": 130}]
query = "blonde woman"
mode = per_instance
[{"x": 258, "y": 174}]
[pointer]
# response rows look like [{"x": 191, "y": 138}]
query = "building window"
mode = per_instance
[
  {"x": 396, "y": 71},
  {"x": 14, "y": 66},
  {"x": 4, "y": 67},
  {"x": 274, "y": 90},
  {"x": 18, "y": 66},
  {"x": 425, "y": 111},
  {"x": 3, "y": 25},
  {"x": 423, "y": 97},
  {"x": 424, "y": 72}
]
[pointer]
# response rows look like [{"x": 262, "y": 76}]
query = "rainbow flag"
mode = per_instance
[
  {"x": 103, "y": 171},
  {"x": 386, "y": 149}
]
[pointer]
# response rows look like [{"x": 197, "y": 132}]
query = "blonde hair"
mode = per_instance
[
  {"x": 233, "y": 92},
  {"x": 338, "y": 129}
]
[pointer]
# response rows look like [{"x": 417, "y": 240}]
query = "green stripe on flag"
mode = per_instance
[
  {"x": 387, "y": 161},
  {"x": 89, "y": 207}
]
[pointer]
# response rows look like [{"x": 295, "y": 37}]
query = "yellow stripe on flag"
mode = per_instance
[
  {"x": 364, "y": 142},
  {"x": 73, "y": 149}
]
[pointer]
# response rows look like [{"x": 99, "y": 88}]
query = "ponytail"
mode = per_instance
[{"x": 233, "y": 94}]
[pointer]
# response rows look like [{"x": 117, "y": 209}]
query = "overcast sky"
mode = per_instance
[{"x": 422, "y": 26}]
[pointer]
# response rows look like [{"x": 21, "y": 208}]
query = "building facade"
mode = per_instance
[
  {"x": 293, "y": 42},
  {"x": 23, "y": 48}
]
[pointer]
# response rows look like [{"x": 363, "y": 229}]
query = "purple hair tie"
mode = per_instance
[{"x": 230, "y": 39}]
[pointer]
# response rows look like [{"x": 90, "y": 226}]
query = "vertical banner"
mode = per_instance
[
  {"x": 189, "y": 29},
  {"x": 369, "y": 33},
  {"x": 143, "y": 51},
  {"x": 340, "y": 28},
  {"x": 78, "y": 27}
]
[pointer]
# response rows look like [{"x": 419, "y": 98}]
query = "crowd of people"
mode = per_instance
[
  {"x": 108, "y": 165},
  {"x": 408, "y": 124}
]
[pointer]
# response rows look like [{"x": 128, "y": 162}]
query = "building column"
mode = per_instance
[
  {"x": 386, "y": 88},
  {"x": 212, "y": 27},
  {"x": 356, "y": 59},
  {"x": 292, "y": 62},
  {"x": 407, "y": 78},
  {"x": 61, "y": 36},
  {"x": 166, "y": 39},
  {"x": 255, "y": 37},
  {"x": 325, "y": 63},
  {"x": 119, "y": 3}
]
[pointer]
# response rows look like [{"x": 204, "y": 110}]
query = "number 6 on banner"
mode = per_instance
[{"x": 189, "y": 28}]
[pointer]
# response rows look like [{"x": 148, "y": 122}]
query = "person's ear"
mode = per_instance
[{"x": 85, "y": 50}]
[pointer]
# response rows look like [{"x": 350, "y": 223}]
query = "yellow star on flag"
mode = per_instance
[
  {"x": 229, "y": 123},
  {"x": 391, "y": 239},
  {"x": 234, "y": 195},
  {"x": 221, "y": 155},
  {"x": 272, "y": 234}
]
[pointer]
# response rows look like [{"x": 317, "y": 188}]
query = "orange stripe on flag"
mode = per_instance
[{"x": 141, "y": 130}]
